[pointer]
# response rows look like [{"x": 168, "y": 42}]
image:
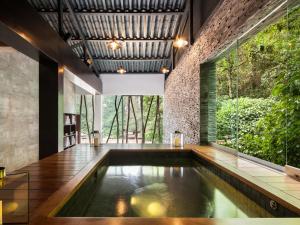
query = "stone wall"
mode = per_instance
[
  {"x": 19, "y": 109},
  {"x": 229, "y": 20}
]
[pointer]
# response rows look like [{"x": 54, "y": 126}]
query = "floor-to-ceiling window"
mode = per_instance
[
  {"x": 132, "y": 119},
  {"x": 258, "y": 91}
]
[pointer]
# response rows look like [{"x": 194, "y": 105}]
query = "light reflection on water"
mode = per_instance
[{"x": 157, "y": 191}]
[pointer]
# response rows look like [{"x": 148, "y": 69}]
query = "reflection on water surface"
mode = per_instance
[{"x": 159, "y": 191}]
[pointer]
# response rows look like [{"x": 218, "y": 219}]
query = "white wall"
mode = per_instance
[
  {"x": 69, "y": 96},
  {"x": 133, "y": 84}
]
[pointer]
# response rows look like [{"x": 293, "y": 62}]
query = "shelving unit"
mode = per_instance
[{"x": 71, "y": 130}]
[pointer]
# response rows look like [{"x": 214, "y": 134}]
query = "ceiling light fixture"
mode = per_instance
[
  {"x": 164, "y": 70},
  {"x": 121, "y": 70},
  {"x": 89, "y": 61},
  {"x": 114, "y": 44},
  {"x": 180, "y": 43}
]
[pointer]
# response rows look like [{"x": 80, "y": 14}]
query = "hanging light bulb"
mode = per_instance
[
  {"x": 121, "y": 70},
  {"x": 89, "y": 61},
  {"x": 164, "y": 70},
  {"x": 180, "y": 43},
  {"x": 114, "y": 45}
]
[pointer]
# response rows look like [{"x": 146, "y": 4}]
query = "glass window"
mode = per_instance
[
  {"x": 139, "y": 119},
  {"x": 258, "y": 92}
]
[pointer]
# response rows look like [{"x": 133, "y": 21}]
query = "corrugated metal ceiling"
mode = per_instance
[{"x": 149, "y": 24}]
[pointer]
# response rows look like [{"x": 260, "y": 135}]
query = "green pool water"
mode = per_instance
[{"x": 160, "y": 188}]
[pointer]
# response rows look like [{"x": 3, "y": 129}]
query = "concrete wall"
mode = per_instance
[
  {"x": 229, "y": 20},
  {"x": 19, "y": 109},
  {"x": 69, "y": 96}
]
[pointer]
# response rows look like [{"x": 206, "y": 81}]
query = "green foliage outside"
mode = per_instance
[
  {"x": 109, "y": 112},
  {"x": 83, "y": 124},
  {"x": 258, "y": 89}
]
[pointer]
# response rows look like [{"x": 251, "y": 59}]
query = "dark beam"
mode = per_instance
[
  {"x": 173, "y": 58},
  {"x": 183, "y": 22},
  {"x": 26, "y": 25},
  {"x": 60, "y": 15},
  {"x": 78, "y": 27},
  {"x": 126, "y": 39},
  {"x": 78, "y": 44},
  {"x": 117, "y": 12},
  {"x": 131, "y": 73},
  {"x": 184, "y": 18},
  {"x": 191, "y": 23},
  {"x": 128, "y": 59}
]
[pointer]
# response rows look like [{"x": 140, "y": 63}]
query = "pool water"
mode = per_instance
[{"x": 158, "y": 190}]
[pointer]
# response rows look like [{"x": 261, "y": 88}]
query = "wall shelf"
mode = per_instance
[{"x": 71, "y": 130}]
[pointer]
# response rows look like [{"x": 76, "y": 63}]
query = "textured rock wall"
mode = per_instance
[
  {"x": 19, "y": 109},
  {"x": 182, "y": 90}
]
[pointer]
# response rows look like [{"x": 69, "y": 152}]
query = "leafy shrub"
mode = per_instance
[
  {"x": 239, "y": 117},
  {"x": 265, "y": 128}
]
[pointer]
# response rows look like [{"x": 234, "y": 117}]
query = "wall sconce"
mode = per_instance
[
  {"x": 164, "y": 70},
  {"x": 180, "y": 43},
  {"x": 61, "y": 70}
]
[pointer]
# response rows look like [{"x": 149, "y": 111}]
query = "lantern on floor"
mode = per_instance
[
  {"x": 96, "y": 138},
  {"x": 176, "y": 139}
]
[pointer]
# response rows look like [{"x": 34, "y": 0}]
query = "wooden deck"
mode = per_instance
[{"x": 52, "y": 178}]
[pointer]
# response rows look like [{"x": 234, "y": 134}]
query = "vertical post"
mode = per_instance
[
  {"x": 51, "y": 110},
  {"x": 60, "y": 4},
  {"x": 60, "y": 108}
]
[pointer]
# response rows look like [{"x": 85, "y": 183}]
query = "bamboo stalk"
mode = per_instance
[
  {"x": 80, "y": 113},
  {"x": 93, "y": 118},
  {"x": 128, "y": 117},
  {"x": 142, "y": 118},
  {"x": 122, "y": 119},
  {"x": 155, "y": 121},
  {"x": 113, "y": 121},
  {"x": 86, "y": 119},
  {"x": 80, "y": 106},
  {"x": 135, "y": 120},
  {"x": 117, "y": 117},
  {"x": 148, "y": 113},
  {"x": 159, "y": 121}
]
